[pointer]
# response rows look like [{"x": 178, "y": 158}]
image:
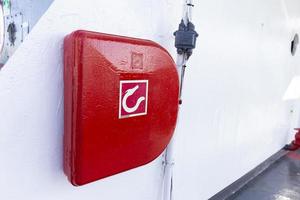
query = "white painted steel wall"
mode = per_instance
[
  {"x": 32, "y": 10},
  {"x": 232, "y": 116}
]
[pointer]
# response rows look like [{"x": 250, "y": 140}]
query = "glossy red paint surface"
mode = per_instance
[{"x": 101, "y": 137}]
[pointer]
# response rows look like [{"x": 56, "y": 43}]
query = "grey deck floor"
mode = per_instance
[{"x": 281, "y": 181}]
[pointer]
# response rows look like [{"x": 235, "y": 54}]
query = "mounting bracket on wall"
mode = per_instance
[
  {"x": 13, "y": 30},
  {"x": 294, "y": 44}
]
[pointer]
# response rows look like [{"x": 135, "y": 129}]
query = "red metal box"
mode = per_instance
[{"x": 121, "y": 104}]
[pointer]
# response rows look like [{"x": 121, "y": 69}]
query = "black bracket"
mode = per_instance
[{"x": 185, "y": 38}]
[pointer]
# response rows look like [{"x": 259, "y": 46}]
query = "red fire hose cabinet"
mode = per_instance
[{"x": 120, "y": 104}]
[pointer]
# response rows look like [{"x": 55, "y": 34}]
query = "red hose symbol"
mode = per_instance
[{"x": 128, "y": 93}]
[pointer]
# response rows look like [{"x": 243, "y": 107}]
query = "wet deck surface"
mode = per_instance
[{"x": 281, "y": 181}]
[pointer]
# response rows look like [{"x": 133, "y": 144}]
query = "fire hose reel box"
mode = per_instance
[{"x": 121, "y": 104}]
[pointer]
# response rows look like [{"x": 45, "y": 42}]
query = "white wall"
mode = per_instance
[
  {"x": 232, "y": 116},
  {"x": 32, "y": 10}
]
